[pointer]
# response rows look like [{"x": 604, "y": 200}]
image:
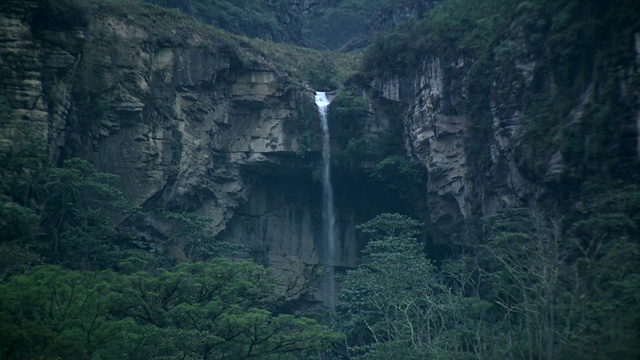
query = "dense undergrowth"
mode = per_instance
[
  {"x": 345, "y": 25},
  {"x": 267, "y": 20}
]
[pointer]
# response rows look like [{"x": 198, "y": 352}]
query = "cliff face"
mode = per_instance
[
  {"x": 158, "y": 116},
  {"x": 473, "y": 171},
  {"x": 188, "y": 122}
]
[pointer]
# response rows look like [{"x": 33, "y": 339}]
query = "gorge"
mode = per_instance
[{"x": 135, "y": 131}]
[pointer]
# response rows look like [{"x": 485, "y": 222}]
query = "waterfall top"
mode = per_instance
[{"x": 321, "y": 99}]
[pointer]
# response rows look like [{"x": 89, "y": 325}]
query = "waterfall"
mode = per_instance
[{"x": 328, "y": 212}]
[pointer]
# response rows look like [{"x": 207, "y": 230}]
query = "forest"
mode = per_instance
[{"x": 557, "y": 278}]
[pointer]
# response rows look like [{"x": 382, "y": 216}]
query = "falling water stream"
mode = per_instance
[{"x": 328, "y": 212}]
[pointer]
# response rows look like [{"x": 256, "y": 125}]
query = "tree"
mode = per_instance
[
  {"x": 525, "y": 273},
  {"x": 53, "y": 312},
  {"x": 395, "y": 303},
  {"x": 606, "y": 257},
  {"x": 208, "y": 310}
]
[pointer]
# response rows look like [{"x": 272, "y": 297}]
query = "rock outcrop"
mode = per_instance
[
  {"x": 480, "y": 162},
  {"x": 438, "y": 135}
]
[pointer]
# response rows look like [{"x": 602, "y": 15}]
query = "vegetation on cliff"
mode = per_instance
[
  {"x": 343, "y": 25},
  {"x": 267, "y": 20},
  {"x": 346, "y": 25},
  {"x": 566, "y": 47}
]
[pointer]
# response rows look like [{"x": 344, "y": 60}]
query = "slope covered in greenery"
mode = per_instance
[
  {"x": 344, "y": 25},
  {"x": 267, "y": 20}
]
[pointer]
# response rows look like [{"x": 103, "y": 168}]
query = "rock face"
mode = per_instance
[
  {"x": 437, "y": 140},
  {"x": 471, "y": 177},
  {"x": 185, "y": 122},
  {"x": 26, "y": 64},
  {"x": 438, "y": 135},
  {"x": 182, "y": 123}
]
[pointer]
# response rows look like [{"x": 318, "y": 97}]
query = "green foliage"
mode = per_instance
[
  {"x": 394, "y": 303},
  {"x": 15, "y": 258},
  {"x": 390, "y": 226},
  {"x": 53, "y": 313},
  {"x": 454, "y": 27},
  {"x": 348, "y": 104},
  {"x": 321, "y": 76},
  {"x": 216, "y": 309},
  {"x": 307, "y": 117},
  {"x": 391, "y": 53},
  {"x": 605, "y": 247},
  {"x": 348, "y": 114},
  {"x": 344, "y": 25},
  {"x": 527, "y": 291},
  {"x": 191, "y": 233},
  {"x": 16, "y": 221},
  {"x": 324, "y": 70},
  {"x": 399, "y": 175},
  {"x": 75, "y": 202},
  {"x": 256, "y": 19}
]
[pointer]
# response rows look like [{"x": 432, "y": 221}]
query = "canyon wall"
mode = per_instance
[
  {"x": 187, "y": 121},
  {"x": 514, "y": 151}
]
